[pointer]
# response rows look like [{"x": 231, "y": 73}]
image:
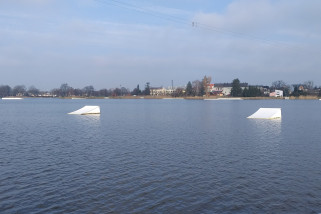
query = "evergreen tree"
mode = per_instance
[
  {"x": 286, "y": 91},
  {"x": 189, "y": 89},
  {"x": 136, "y": 91},
  {"x": 201, "y": 90},
  {"x": 147, "y": 89},
  {"x": 252, "y": 91},
  {"x": 236, "y": 88},
  {"x": 245, "y": 92},
  {"x": 296, "y": 92}
]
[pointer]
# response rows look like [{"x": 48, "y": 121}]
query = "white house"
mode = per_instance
[
  {"x": 161, "y": 91},
  {"x": 226, "y": 88},
  {"x": 276, "y": 93}
]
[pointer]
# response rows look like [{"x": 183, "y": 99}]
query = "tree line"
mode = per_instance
[
  {"x": 67, "y": 91},
  {"x": 197, "y": 88},
  {"x": 19, "y": 90},
  {"x": 305, "y": 89}
]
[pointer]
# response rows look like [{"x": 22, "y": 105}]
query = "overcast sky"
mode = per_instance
[{"x": 113, "y": 43}]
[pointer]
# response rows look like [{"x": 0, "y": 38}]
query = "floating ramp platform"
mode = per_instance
[
  {"x": 12, "y": 98},
  {"x": 266, "y": 113},
  {"x": 87, "y": 110}
]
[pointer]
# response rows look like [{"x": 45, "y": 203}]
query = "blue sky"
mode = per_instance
[{"x": 108, "y": 43}]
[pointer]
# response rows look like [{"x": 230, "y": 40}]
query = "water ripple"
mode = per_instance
[{"x": 178, "y": 160}]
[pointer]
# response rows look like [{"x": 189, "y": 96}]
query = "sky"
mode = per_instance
[{"x": 123, "y": 43}]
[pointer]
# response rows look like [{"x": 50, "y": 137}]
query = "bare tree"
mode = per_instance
[
  {"x": 279, "y": 84},
  {"x": 5, "y": 90},
  {"x": 309, "y": 84},
  {"x": 103, "y": 92},
  {"x": 19, "y": 90},
  {"x": 89, "y": 90},
  {"x": 33, "y": 91},
  {"x": 206, "y": 81},
  {"x": 197, "y": 87},
  {"x": 124, "y": 91},
  {"x": 77, "y": 92},
  {"x": 116, "y": 92},
  {"x": 179, "y": 92},
  {"x": 65, "y": 90}
]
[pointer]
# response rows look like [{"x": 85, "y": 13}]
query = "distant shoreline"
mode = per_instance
[
  {"x": 186, "y": 98},
  {"x": 203, "y": 98}
]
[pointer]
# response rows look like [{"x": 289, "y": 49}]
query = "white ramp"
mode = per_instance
[
  {"x": 266, "y": 113},
  {"x": 11, "y": 98},
  {"x": 87, "y": 110}
]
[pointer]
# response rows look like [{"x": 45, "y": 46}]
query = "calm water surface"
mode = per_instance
[{"x": 159, "y": 156}]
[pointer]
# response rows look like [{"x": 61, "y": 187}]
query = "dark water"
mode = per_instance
[{"x": 159, "y": 156}]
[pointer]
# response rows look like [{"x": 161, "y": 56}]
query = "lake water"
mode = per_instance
[{"x": 159, "y": 156}]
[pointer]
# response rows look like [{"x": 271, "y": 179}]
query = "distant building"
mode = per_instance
[
  {"x": 302, "y": 88},
  {"x": 276, "y": 93},
  {"x": 45, "y": 94},
  {"x": 266, "y": 90},
  {"x": 210, "y": 88},
  {"x": 224, "y": 89},
  {"x": 161, "y": 91}
]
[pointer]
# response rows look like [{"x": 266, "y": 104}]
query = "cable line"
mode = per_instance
[{"x": 196, "y": 24}]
